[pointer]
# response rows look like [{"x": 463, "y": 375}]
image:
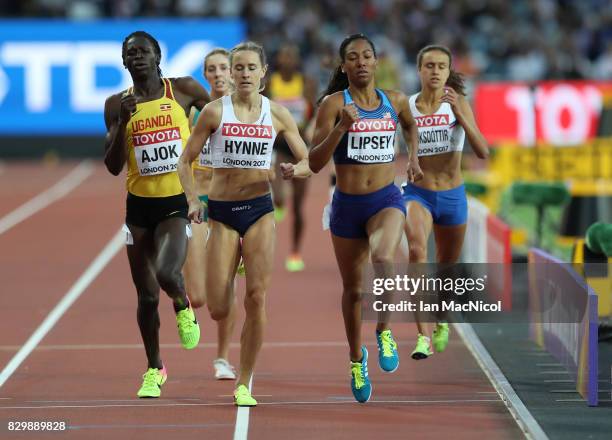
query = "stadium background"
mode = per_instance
[{"x": 539, "y": 77}]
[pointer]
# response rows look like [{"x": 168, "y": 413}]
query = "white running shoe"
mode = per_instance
[{"x": 224, "y": 370}]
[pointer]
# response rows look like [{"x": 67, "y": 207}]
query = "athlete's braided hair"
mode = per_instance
[
  {"x": 455, "y": 79},
  {"x": 339, "y": 80},
  {"x": 148, "y": 37}
]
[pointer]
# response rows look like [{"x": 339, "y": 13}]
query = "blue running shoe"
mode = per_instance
[
  {"x": 388, "y": 358},
  {"x": 360, "y": 382}
]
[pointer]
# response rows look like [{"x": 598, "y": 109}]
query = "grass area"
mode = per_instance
[{"x": 525, "y": 217}]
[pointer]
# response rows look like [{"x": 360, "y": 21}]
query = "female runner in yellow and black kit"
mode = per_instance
[
  {"x": 217, "y": 73},
  {"x": 147, "y": 127},
  {"x": 289, "y": 87}
]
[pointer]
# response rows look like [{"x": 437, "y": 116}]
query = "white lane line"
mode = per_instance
[
  {"x": 515, "y": 405},
  {"x": 279, "y": 403},
  {"x": 73, "y": 179},
  {"x": 107, "y": 400},
  {"x": 234, "y": 345},
  {"x": 156, "y": 426},
  {"x": 119, "y": 405},
  {"x": 69, "y": 298},
  {"x": 242, "y": 419},
  {"x": 197, "y": 400}
]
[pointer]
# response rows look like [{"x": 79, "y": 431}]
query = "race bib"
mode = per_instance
[
  {"x": 157, "y": 152},
  {"x": 205, "y": 159},
  {"x": 434, "y": 135},
  {"x": 372, "y": 140},
  {"x": 246, "y": 146}
]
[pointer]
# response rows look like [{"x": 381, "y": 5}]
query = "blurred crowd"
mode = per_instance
[{"x": 490, "y": 39}]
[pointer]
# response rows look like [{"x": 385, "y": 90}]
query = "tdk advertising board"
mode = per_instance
[{"x": 55, "y": 75}]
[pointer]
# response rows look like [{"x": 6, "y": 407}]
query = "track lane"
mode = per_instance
[
  {"x": 43, "y": 255},
  {"x": 21, "y": 181},
  {"x": 301, "y": 380}
]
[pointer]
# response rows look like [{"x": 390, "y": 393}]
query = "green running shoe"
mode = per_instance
[
  {"x": 279, "y": 214},
  {"x": 188, "y": 328},
  {"x": 242, "y": 397},
  {"x": 422, "y": 349},
  {"x": 241, "y": 270},
  {"x": 153, "y": 379},
  {"x": 440, "y": 336},
  {"x": 294, "y": 263}
]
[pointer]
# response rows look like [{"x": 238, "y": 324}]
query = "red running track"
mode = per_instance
[{"x": 87, "y": 369}]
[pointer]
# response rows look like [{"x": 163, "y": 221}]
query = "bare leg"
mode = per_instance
[
  {"x": 449, "y": 241},
  {"x": 385, "y": 232},
  {"x": 351, "y": 255},
  {"x": 194, "y": 270},
  {"x": 225, "y": 329},
  {"x": 258, "y": 256},
  {"x": 170, "y": 241},
  {"x": 222, "y": 253},
  {"x": 418, "y": 228},
  {"x": 140, "y": 256},
  {"x": 299, "y": 195}
]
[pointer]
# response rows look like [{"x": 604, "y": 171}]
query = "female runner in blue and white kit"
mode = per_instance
[
  {"x": 242, "y": 128},
  {"x": 356, "y": 124},
  {"x": 444, "y": 117}
]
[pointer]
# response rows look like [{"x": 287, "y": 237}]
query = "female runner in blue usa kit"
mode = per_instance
[
  {"x": 444, "y": 118},
  {"x": 242, "y": 128},
  {"x": 368, "y": 213}
]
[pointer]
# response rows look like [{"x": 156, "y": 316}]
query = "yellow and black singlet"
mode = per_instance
[
  {"x": 156, "y": 134},
  {"x": 290, "y": 94}
]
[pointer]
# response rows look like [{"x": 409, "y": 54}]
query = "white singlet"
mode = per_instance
[
  {"x": 438, "y": 133},
  {"x": 238, "y": 145}
]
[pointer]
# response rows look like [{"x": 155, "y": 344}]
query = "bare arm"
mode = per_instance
[
  {"x": 196, "y": 95},
  {"x": 289, "y": 130},
  {"x": 310, "y": 93},
  {"x": 326, "y": 135},
  {"x": 410, "y": 133},
  {"x": 465, "y": 117},
  {"x": 117, "y": 112},
  {"x": 207, "y": 122}
]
